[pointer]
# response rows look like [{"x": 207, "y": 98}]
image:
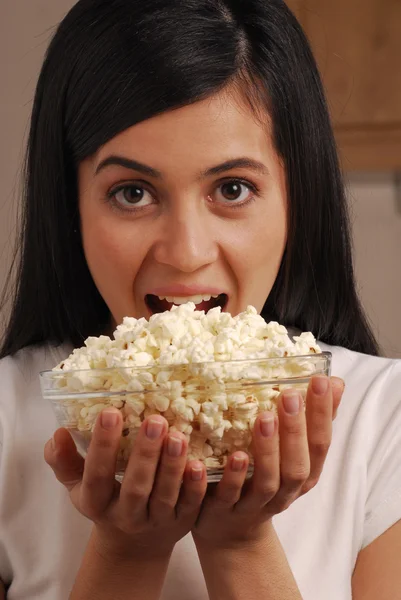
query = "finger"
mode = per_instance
[
  {"x": 166, "y": 488},
  {"x": 193, "y": 490},
  {"x": 141, "y": 469},
  {"x": 337, "y": 386},
  {"x": 98, "y": 482},
  {"x": 319, "y": 416},
  {"x": 265, "y": 481},
  {"x": 62, "y": 456},
  {"x": 294, "y": 452},
  {"x": 228, "y": 490}
]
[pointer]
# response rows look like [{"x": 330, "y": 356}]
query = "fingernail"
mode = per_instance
[
  {"x": 338, "y": 383},
  {"x": 320, "y": 385},
  {"x": 267, "y": 427},
  {"x": 53, "y": 444},
  {"x": 196, "y": 473},
  {"x": 291, "y": 402},
  {"x": 237, "y": 463},
  {"x": 174, "y": 446},
  {"x": 154, "y": 429},
  {"x": 109, "y": 418}
]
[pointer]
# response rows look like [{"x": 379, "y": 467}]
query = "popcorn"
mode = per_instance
[
  {"x": 158, "y": 401},
  {"x": 186, "y": 365}
]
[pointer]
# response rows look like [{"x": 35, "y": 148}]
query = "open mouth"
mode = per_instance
[{"x": 206, "y": 302}]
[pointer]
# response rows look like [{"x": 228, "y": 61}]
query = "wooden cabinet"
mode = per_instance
[{"x": 357, "y": 44}]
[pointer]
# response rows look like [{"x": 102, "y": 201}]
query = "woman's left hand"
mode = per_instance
[{"x": 289, "y": 452}]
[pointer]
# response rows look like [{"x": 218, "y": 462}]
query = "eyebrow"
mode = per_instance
[{"x": 235, "y": 163}]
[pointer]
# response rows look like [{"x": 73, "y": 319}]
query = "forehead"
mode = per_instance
[{"x": 219, "y": 127}]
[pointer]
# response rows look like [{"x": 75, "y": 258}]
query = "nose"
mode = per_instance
[{"x": 186, "y": 242}]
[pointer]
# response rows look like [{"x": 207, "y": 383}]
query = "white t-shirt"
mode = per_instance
[{"x": 43, "y": 537}]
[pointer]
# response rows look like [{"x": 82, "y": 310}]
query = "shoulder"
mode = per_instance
[
  {"x": 42, "y": 356},
  {"x": 364, "y": 374},
  {"x": 369, "y": 417},
  {"x": 367, "y": 436},
  {"x": 24, "y": 415},
  {"x": 19, "y": 374}
]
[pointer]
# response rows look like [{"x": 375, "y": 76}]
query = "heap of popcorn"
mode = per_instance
[{"x": 206, "y": 373}]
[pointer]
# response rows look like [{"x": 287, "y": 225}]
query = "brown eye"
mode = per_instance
[
  {"x": 235, "y": 192},
  {"x": 232, "y": 190},
  {"x": 131, "y": 196}
]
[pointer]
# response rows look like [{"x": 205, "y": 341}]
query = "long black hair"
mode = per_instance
[{"x": 114, "y": 63}]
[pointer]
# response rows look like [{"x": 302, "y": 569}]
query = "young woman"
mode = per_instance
[{"x": 182, "y": 148}]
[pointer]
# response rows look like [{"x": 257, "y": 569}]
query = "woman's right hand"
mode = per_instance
[{"x": 160, "y": 496}]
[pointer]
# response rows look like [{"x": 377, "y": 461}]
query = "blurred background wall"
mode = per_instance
[{"x": 358, "y": 46}]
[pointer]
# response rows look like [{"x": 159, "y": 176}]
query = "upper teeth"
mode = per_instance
[{"x": 185, "y": 299}]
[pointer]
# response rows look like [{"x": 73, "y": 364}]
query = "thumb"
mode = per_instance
[{"x": 61, "y": 455}]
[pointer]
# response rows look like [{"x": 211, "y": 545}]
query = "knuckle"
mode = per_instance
[
  {"x": 135, "y": 494},
  {"x": 193, "y": 499},
  {"x": 100, "y": 451},
  {"x": 267, "y": 491},
  {"x": 295, "y": 429},
  {"x": 270, "y": 454},
  {"x": 297, "y": 476},
  {"x": 171, "y": 471},
  {"x": 320, "y": 416},
  {"x": 190, "y": 505},
  {"x": 164, "y": 501},
  {"x": 148, "y": 453},
  {"x": 192, "y": 496},
  {"x": 101, "y": 442},
  {"x": 229, "y": 494},
  {"x": 96, "y": 475},
  {"x": 232, "y": 486},
  {"x": 319, "y": 448}
]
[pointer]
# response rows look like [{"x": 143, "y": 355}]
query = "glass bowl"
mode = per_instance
[{"x": 214, "y": 404}]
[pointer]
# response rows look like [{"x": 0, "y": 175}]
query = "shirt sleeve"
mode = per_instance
[{"x": 383, "y": 504}]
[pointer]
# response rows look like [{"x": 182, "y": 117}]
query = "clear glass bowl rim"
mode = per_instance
[{"x": 52, "y": 374}]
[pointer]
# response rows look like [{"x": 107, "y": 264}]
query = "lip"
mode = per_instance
[{"x": 186, "y": 290}]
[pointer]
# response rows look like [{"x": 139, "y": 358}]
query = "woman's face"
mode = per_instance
[{"x": 187, "y": 205}]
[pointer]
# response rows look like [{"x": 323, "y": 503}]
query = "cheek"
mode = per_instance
[
  {"x": 113, "y": 258},
  {"x": 256, "y": 251},
  {"x": 260, "y": 241},
  {"x": 105, "y": 248}
]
